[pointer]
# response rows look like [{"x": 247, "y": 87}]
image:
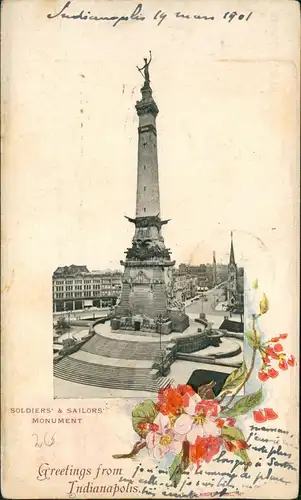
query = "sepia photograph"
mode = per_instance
[{"x": 150, "y": 322}]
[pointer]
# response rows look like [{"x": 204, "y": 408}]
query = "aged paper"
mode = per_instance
[{"x": 139, "y": 387}]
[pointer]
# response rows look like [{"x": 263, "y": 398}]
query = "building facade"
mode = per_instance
[
  {"x": 75, "y": 287},
  {"x": 201, "y": 275},
  {"x": 185, "y": 286}
]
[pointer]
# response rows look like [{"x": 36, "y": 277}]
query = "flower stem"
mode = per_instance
[
  {"x": 137, "y": 447},
  {"x": 251, "y": 367}
]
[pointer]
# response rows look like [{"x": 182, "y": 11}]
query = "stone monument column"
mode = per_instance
[{"x": 144, "y": 302}]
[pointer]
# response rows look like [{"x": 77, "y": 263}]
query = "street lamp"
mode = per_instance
[{"x": 160, "y": 320}]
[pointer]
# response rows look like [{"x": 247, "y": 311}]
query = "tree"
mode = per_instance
[{"x": 62, "y": 326}]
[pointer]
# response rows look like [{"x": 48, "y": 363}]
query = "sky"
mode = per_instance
[{"x": 75, "y": 122}]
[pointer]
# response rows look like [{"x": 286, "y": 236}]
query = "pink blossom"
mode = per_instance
[
  {"x": 198, "y": 420},
  {"x": 163, "y": 439}
]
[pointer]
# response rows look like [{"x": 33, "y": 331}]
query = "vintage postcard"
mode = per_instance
[{"x": 150, "y": 242}]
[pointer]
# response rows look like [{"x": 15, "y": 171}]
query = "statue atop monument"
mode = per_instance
[{"x": 144, "y": 70}]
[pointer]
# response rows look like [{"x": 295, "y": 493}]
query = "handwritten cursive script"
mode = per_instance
[
  {"x": 138, "y": 15},
  {"x": 84, "y": 16},
  {"x": 45, "y": 441}
]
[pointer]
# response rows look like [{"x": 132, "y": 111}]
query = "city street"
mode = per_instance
[
  {"x": 82, "y": 314},
  {"x": 207, "y": 307}
]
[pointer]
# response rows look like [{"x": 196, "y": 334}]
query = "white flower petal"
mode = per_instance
[
  {"x": 183, "y": 424},
  {"x": 152, "y": 438},
  {"x": 175, "y": 447},
  {"x": 163, "y": 422},
  {"x": 179, "y": 437},
  {"x": 210, "y": 428},
  {"x": 159, "y": 451},
  {"x": 197, "y": 430}
]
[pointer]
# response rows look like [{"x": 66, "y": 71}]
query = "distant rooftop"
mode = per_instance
[{"x": 75, "y": 270}]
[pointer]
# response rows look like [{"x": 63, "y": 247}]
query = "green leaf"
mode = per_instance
[
  {"x": 206, "y": 392},
  {"x": 235, "y": 379},
  {"x": 179, "y": 465},
  {"x": 252, "y": 338},
  {"x": 231, "y": 433},
  {"x": 175, "y": 470},
  {"x": 255, "y": 284},
  {"x": 243, "y": 455},
  {"x": 245, "y": 404},
  {"x": 144, "y": 412}
]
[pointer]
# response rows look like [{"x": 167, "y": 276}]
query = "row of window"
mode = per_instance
[
  {"x": 95, "y": 280},
  {"x": 87, "y": 293},
  {"x": 69, "y": 288},
  {"x": 60, "y": 284}
]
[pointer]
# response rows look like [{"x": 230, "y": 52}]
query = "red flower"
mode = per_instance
[
  {"x": 273, "y": 373},
  {"x": 283, "y": 364},
  {"x": 220, "y": 422},
  {"x": 266, "y": 360},
  {"x": 275, "y": 339},
  {"x": 145, "y": 426},
  {"x": 207, "y": 407},
  {"x": 283, "y": 335},
  {"x": 241, "y": 444},
  {"x": 170, "y": 401},
  {"x": 185, "y": 389},
  {"x": 230, "y": 446},
  {"x": 263, "y": 376},
  {"x": 230, "y": 421},
  {"x": 270, "y": 414},
  {"x": 205, "y": 448},
  {"x": 259, "y": 417},
  {"x": 278, "y": 348},
  {"x": 270, "y": 352},
  {"x": 291, "y": 360}
]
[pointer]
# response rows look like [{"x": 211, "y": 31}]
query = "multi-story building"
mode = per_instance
[
  {"x": 75, "y": 287},
  {"x": 185, "y": 286},
  {"x": 198, "y": 273}
]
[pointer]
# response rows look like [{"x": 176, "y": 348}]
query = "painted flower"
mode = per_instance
[
  {"x": 270, "y": 414},
  {"x": 259, "y": 416},
  {"x": 163, "y": 440},
  {"x": 185, "y": 389},
  {"x": 204, "y": 448},
  {"x": 198, "y": 420},
  {"x": 170, "y": 401},
  {"x": 263, "y": 376},
  {"x": 273, "y": 373},
  {"x": 239, "y": 444},
  {"x": 220, "y": 422},
  {"x": 278, "y": 348},
  {"x": 291, "y": 360},
  {"x": 283, "y": 364},
  {"x": 271, "y": 352},
  {"x": 283, "y": 336}
]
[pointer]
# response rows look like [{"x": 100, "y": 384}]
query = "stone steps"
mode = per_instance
[
  {"x": 121, "y": 349},
  {"x": 112, "y": 377}
]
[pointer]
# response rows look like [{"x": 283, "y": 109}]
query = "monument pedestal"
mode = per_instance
[{"x": 179, "y": 320}]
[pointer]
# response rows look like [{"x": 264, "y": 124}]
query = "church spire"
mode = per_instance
[{"x": 232, "y": 258}]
